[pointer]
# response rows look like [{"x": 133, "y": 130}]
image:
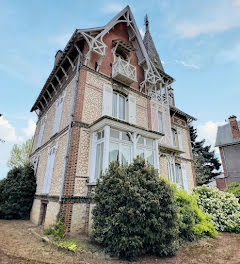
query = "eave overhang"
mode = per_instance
[
  {"x": 180, "y": 112},
  {"x": 123, "y": 125}
]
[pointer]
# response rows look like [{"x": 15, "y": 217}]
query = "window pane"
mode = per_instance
[
  {"x": 140, "y": 152},
  {"x": 99, "y": 158},
  {"x": 100, "y": 135},
  {"x": 177, "y": 173},
  {"x": 160, "y": 121},
  {"x": 125, "y": 136},
  {"x": 121, "y": 107},
  {"x": 149, "y": 142},
  {"x": 126, "y": 154},
  {"x": 174, "y": 137},
  {"x": 114, "y": 133},
  {"x": 114, "y": 105},
  {"x": 149, "y": 156},
  {"x": 141, "y": 141},
  {"x": 113, "y": 152}
]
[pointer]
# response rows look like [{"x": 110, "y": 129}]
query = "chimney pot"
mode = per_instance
[{"x": 234, "y": 126}]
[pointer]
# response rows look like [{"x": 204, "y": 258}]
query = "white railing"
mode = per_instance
[{"x": 123, "y": 71}]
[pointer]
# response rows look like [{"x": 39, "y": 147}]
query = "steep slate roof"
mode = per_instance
[
  {"x": 224, "y": 136},
  {"x": 150, "y": 47}
]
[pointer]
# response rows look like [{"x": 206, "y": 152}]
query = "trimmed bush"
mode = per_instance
[
  {"x": 17, "y": 193},
  {"x": 135, "y": 212},
  {"x": 223, "y": 207},
  {"x": 193, "y": 222},
  {"x": 234, "y": 188}
]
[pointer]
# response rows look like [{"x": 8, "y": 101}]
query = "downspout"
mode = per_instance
[{"x": 70, "y": 125}]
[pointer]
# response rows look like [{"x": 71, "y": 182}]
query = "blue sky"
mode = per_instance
[{"x": 198, "y": 42}]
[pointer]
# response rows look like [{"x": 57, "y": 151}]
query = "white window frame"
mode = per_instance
[
  {"x": 160, "y": 122},
  {"x": 118, "y": 105},
  {"x": 49, "y": 169},
  {"x": 120, "y": 141}
]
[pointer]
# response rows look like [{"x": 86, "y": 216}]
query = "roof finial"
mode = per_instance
[{"x": 146, "y": 22}]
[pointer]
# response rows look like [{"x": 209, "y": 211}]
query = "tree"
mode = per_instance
[
  {"x": 205, "y": 162},
  {"x": 17, "y": 193},
  {"x": 20, "y": 154},
  {"x": 135, "y": 212}
]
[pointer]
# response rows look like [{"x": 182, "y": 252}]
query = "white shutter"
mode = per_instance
[
  {"x": 40, "y": 135},
  {"x": 180, "y": 140},
  {"x": 35, "y": 163},
  {"x": 58, "y": 114},
  {"x": 184, "y": 177},
  {"x": 132, "y": 109},
  {"x": 49, "y": 169},
  {"x": 107, "y": 100}
]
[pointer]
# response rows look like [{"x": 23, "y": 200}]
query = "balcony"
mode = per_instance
[{"x": 124, "y": 72}]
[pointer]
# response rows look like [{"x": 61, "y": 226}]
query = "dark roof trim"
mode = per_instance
[{"x": 177, "y": 110}]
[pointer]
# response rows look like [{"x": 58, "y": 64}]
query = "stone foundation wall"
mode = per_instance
[{"x": 35, "y": 211}]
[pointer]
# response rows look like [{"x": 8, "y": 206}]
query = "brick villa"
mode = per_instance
[{"x": 107, "y": 98}]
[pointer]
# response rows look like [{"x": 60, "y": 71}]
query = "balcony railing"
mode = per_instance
[{"x": 124, "y": 72}]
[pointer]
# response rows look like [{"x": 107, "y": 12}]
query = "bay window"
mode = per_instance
[{"x": 111, "y": 144}]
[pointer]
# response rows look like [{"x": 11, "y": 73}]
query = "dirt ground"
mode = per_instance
[{"x": 18, "y": 245}]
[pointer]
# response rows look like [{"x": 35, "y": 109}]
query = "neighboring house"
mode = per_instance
[
  {"x": 107, "y": 98},
  {"x": 228, "y": 141}
]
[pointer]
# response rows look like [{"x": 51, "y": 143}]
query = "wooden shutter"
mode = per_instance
[
  {"x": 49, "y": 169},
  {"x": 58, "y": 114},
  {"x": 154, "y": 116},
  {"x": 132, "y": 109},
  {"x": 184, "y": 177},
  {"x": 107, "y": 100},
  {"x": 40, "y": 135},
  {"x": 180, "y": 140}
]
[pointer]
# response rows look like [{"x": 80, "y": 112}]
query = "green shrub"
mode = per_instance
[
  {"x": 234, "y": 188},
  {"x": 57, "y": 230},
  {"x": 135, "y": 212},
  {"x": 223, "y": 207},
  {"x": 17, "y": 193},
  {"x": 193, "y": 222}
]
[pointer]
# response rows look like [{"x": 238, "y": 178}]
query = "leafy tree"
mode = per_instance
[
  {"x": 135, "y": 212},
  {"x": 205, "y": 162},
  {"x": 17, "y": 192},
  {"x": 20, "y": 154}
]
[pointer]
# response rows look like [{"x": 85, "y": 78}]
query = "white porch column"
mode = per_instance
[
  {"x": 156, "y": 156},
  {"x": 134, "y": 140},
  {"x": 92, "y": 158},
  {"x": 106, "y": 148}
]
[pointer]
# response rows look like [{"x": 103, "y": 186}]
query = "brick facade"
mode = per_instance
[{"x": 76, "y": 205}]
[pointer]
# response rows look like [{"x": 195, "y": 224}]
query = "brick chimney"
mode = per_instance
[{"x": 234, "y": 126}]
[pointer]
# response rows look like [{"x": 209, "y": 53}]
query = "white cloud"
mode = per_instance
[
  {"x": 8, "y": 132},
  {"x": 142, "y": 33},
  {"x": 30, "y": 129},
  {"x": 188, "y": 65},
  {"x": 112, "y": 8},
  {"x": 212, "y": 19},
  {"x": 230, "y": 55},
  {"x": 208, "y": 131}
]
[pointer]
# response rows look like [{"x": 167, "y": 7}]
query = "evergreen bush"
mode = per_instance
[
  {"x": 223, "y": 207},
  {"x": 135, "y": 212},
  {"x": 193, "y": 222},
  {"x": 234, "y": 188},
  {"x": 17, "y": 193}
]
